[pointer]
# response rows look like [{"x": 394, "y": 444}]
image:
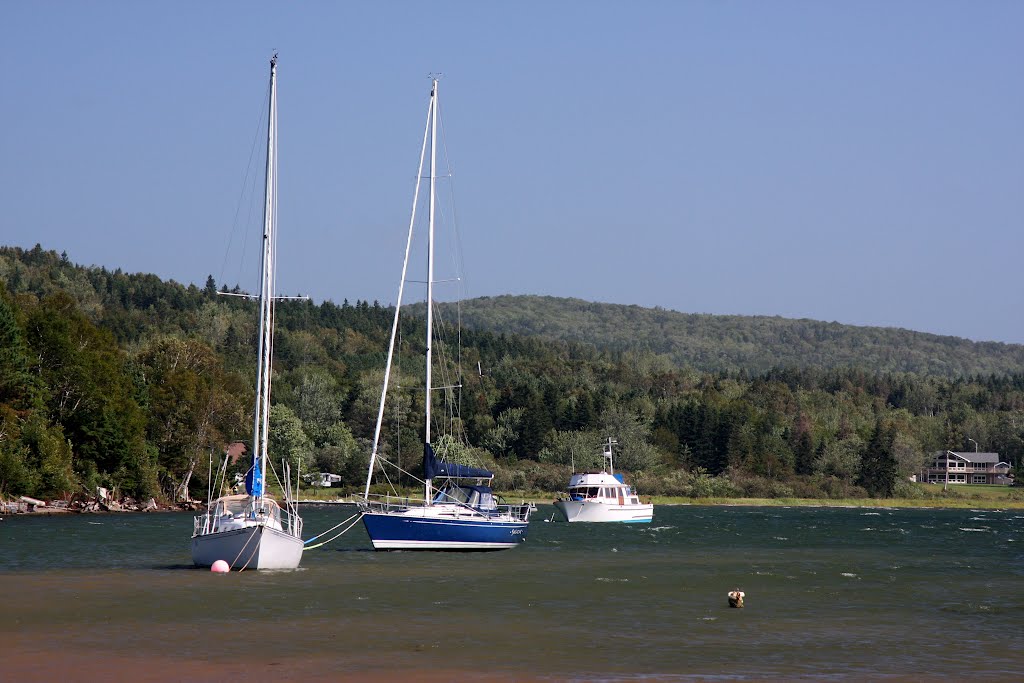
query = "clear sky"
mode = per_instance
[{"x": 861, "y": 162}]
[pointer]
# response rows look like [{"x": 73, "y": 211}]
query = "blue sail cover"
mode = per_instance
[
  {"x": 254, "y": 480},
  {"x": 434, "y": 468}
]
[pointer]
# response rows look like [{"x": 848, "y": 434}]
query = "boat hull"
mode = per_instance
[
  {"x": 590, "y": 511},
  {"x": 419, "y": 529},
  {"x": 251, "y": 547}
]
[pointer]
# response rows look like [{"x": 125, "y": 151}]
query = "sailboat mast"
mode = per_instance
[
  {"x": 430, "y": 272},
  {"x": 261, "y": 412},
  {"x": 398, "y": 306}
]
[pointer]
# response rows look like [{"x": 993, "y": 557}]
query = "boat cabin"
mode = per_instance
[
  {"x": 237, "y": 512},
  {"x": 479, "y": 497},
  {"x": 602, "y": 488}
]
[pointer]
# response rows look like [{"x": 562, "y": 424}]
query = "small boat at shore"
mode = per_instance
[{"x": 603, "y": 496}]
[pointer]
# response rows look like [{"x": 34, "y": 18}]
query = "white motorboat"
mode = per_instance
[{"x": 603, "y": 497}]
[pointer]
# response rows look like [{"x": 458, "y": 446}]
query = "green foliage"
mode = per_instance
[
  {"x": 878, "y": 467},
  {"x": 49, "y": 455},
  {"x": 339, "y": 453},
  {"x": 17, "y": 476},
  {"x": 754, "y": 344},
  {"x": 17, "y": 385},
  {"x": 288, "y": 440},
  {"x": 193, "y": 407},
  {"x": 126, "y": 381}
]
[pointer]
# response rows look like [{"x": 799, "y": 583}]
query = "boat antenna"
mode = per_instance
[{"x": 608, "y": 453}]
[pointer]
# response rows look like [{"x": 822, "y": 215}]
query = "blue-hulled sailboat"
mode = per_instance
[{"x": 459, "y": 510}]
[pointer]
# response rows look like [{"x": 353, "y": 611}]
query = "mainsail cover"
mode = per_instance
[{"x": 434, "y": 468}]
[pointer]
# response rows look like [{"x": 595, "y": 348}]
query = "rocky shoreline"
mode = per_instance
[{"x": 26, "y": 505}]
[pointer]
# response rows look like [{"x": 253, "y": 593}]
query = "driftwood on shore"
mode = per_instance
[{"x": 26, "y": 505}]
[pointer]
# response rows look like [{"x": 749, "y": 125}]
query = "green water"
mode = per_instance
[{"x": 832, "y": 594}]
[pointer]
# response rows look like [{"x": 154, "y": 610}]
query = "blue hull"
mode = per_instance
[{"x": 407, "y": 532}]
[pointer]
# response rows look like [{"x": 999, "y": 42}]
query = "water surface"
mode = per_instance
[{"x": 832, "y": 594}]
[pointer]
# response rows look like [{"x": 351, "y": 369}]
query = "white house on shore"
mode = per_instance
[{"x": 957, "y": 467}]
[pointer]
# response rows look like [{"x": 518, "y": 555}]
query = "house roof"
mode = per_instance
[
  {"x": 971, "y": 456},
  {"x": 235, "y": 450}
]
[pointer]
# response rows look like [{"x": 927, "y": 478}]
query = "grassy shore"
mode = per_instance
[
  {"x": 953, "y": 503},
  {"x": 929, "y": 496}
]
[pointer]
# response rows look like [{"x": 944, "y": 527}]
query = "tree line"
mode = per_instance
[{"x": 132, "y": 383}]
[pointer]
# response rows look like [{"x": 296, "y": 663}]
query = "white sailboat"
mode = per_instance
[
  {"x": 603, "y": 496},
  {"x": 462, "y": 512},
  {"x": 252, "y": 531}
]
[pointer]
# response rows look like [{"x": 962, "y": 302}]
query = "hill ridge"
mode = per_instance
[{"x": 754, "y": 343}]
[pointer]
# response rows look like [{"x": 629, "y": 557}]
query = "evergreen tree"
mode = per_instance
[
  {"x": 16, "y": 382},
  {"x": 878, "y": 468},
  {"x": 803, "y": 452}
]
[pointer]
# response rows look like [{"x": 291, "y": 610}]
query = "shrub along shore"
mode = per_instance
[
  {"x": 924, "y": 496},
  {"x": 1011, "y": 499}
]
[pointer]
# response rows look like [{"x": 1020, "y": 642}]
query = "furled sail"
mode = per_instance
[
  {"x": 434, "y": 468},
  {"x": 254, "y": 481}
]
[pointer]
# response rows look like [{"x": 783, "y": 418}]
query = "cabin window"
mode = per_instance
[{"x": 453, "y": 494}]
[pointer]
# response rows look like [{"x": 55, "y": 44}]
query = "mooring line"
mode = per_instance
[{"x": 357, "y": 516}]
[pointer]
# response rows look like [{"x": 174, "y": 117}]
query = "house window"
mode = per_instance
[{"x": 977, "y": 478}]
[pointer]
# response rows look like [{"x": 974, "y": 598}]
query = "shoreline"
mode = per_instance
[
  {"x": 979, "y": 503},
  {"x": 896, "y": 503}
]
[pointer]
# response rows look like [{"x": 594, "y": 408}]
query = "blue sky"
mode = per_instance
[{"x": 861, "y": 162}]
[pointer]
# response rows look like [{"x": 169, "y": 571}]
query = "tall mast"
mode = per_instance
[
  {"x": 261, "y": 413},
  {"x": 430, "y": 270},
  {"x": 398, "y": 305}
]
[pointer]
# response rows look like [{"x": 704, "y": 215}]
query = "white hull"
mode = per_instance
[
  {"x": 252, "y": 547},
  {"x": 593, "y": 511}
]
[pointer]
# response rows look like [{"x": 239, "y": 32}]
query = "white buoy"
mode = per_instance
[
  {"x": 220, "y": 567},
  {"x": 736, "y": 598}
]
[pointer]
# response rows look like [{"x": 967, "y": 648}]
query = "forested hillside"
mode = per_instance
[
  {"x": 125, "y": 381},
  {"x": 733, "y": 343}
]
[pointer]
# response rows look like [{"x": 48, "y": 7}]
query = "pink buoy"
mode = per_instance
[{"x": 220, "y": 567}]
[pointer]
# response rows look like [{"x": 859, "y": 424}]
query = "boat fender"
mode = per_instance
[{"x": 736, "y": 598}]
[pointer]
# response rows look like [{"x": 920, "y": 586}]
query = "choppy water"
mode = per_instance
[{"x": 832, "y": 594}]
